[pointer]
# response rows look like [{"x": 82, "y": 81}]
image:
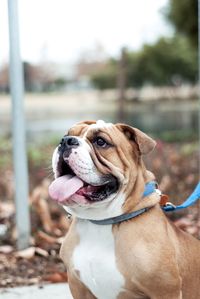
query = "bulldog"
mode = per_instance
[{"x": 120, "y": 244}]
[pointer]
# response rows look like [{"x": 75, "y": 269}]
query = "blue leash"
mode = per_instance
[{"x": 191, "y": 200}]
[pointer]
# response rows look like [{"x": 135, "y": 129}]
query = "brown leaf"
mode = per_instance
[
  {"x": 47, "y": 238},
  {"x": 38, "y": 199},
  {"x": 7, "y": 209},
  {"x": 56, "y": 277},
  {"x": 41, "y": 252}
]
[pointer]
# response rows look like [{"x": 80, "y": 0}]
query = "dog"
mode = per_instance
[{"x": 120, "y": 244}]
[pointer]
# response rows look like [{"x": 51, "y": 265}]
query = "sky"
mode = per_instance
[{"x": 62, "y": 30}]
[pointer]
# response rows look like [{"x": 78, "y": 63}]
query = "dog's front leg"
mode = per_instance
[{"x": 78, "y": 289}]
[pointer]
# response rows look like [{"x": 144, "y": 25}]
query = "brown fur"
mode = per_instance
[{"x": 158, "y": 260}]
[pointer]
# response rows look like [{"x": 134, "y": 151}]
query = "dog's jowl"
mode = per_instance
[{"x": 120, "y": 244}]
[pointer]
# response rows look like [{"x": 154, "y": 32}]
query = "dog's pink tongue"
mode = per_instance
[{"x": 64, "y": 187}]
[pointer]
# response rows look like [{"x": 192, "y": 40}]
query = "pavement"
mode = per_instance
[{"x": 50, "y": 291}]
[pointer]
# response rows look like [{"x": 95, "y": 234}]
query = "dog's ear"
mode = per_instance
[{"x": 145, "y": 143}]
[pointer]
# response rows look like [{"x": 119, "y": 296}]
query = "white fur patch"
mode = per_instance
[
  {"x": 100, "y": 124},
  {"x": 95, "y": 260},
  {"x": 81, "y": 163},
  {"x": 55, "y": 159},
  {"x": 99, "y": 210}
]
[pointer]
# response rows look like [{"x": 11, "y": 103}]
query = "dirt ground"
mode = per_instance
[{"x": 176, "y": 169}]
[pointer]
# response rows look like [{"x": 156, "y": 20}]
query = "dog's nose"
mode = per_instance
[{"x": 69, "y": 142}]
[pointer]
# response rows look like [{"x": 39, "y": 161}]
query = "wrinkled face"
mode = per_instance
[{"x": 93, "y": 166}]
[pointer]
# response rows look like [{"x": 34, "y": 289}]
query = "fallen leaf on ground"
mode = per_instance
[
  {"x": 6, "y": 249},
  {"x": 56, "y": 277},
  {"x": 27, "y": 253},
  {"x": 45, "y": 237},
  {"x": 41, "y": 251}
]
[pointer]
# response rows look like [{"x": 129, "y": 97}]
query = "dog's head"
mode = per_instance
[{"x": 96, "y": 166}]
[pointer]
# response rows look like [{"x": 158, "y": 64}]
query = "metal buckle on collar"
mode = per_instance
[
  {"x": 164, "y": 200},
  {"x": 158, "y": 192},
  {"x": 168, "y": 203}
]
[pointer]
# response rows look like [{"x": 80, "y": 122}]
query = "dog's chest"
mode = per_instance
[{"x": 95, "y": 260}]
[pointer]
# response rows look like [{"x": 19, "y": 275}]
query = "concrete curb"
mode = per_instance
[{"x": 50, "y": 291}]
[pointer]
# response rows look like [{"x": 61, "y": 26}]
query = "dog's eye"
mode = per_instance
[{"x": 100, "y": 142}]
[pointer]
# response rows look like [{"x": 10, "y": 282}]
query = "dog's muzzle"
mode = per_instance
[{"x": 67, "y": 144}]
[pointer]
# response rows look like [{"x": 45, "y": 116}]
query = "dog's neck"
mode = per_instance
[
  {"x": 135, "y": 201},
  {"x": 148, "y": 200}
]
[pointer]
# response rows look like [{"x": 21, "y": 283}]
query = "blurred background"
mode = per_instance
[{"x": 129, "y": 61}]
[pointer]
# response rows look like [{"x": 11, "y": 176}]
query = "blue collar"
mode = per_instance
[{"x": 149, "y": 189}]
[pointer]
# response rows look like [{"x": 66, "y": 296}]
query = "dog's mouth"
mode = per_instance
[{"x": 68, "y": 187}]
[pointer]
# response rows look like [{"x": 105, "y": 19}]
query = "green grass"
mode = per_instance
[
  {"x": 5, "y": 152},
  {"x": 178, "y": 136}
]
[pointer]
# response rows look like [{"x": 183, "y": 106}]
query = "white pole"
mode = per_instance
[{"x": 19, "y": 143}]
